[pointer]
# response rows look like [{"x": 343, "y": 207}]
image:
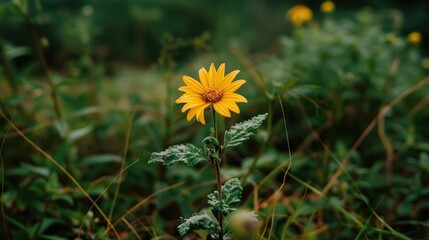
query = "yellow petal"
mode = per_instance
[
  {"x": 229, "y": 78},
  {"x": 231, "y": 105},
  {"x": 194, "y": 84},
  {"x": 200, "y": 114},
  {"x": 188, "y": 89},
  {"x": 204, "y": 77},
  {"x": 221, "y": 109},
  {"x": 182, "y": 99},
  {"x": 220, "y": 75},
  {"x": 212, "y": 74},
  {"x": 191, "y": 113},
  {"x": 234, "y": 97},
  {"x": 234, "y": 86},
  {"x": 190, "y": 105},
  {"x": 189, "y": 97}
]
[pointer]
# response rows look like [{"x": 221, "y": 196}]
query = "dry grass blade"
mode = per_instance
[
  {"x": 132, "y": 228},
  {"x": 55, "y": 162},
  {"x": 104, "y": 191},
  {"x": 142, "y": 202},
  {"x": 370, "y": 127},
  {"x": 124, "y": 157},
  {"x": 277, "y": 194},
  {"x": 2, "y": 183}
]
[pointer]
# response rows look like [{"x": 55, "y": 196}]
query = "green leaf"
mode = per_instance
[
  {"x": 100, "y": 159},
  {"x": 231, "y": 195},
  {"x": 79, "y": 133},
  {"x": 188, "y": 154},
  {"x": 240, "y": 132},
  {"x": 198, "y": 221},
  {"x": 44, "y": 171}
]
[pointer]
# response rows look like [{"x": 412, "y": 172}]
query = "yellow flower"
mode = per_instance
[
  {"x": 214, "y": 89},
  {"x": 415, "y": 38},
  {"x": 327, "y": 6},
  {"x": 392, "y": 39},
  {"x": 299, "y": 14}
]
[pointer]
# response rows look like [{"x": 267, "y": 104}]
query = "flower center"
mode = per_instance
[{"x": 212, "y": 95}]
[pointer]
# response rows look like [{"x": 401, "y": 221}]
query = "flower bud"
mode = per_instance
[{"x": 244, "y": 224}]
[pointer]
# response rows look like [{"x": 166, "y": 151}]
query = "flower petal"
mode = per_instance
[
  {"x": 221, "y": 109},
  {"x": 191, "y": 113},
  {"x": 193, "y": 104},
  {"x": 212, "y": 74},
  {"x": 200, "y": 118},
  {"x": 204, "y": 77},
  {"x": 220, "y": 75},
  {"x": 234, "y": 97},
  {"x": 189, "y": 97},
  {"x": 234, "y": 86},
  {"x": 194, "y": 84},
  {"x": 231, "y": 105},
  {"x": 229, "y": 78},
  {"x": 188, "y": 89}
]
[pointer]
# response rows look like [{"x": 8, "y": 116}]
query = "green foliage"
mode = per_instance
[
  {"x": 231, "y": 195},
  {"x": 198, "y": 221},
  {"x": 240, "y": 132},
  {"x": 186, "y": 153},
  {"x": 116, "y": 80}
]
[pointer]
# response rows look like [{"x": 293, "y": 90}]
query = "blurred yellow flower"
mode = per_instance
[
  {"x": 327, "y": 6},
  {"x": 415, "y": 38},
  {"x": 214, "y": 89},
  {"x": 392, "y": 39},
  {"x": 299, "y": 14}
]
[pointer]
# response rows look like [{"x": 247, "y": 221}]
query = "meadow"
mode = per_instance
[{"x": 128, "y": 120}]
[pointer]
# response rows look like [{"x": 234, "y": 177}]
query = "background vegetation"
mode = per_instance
[{"x": 87, "y": 92}]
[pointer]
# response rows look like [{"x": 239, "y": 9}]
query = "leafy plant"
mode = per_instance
[{"x": 227, "y": 197}]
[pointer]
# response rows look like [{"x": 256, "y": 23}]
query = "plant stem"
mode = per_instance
[
  {"x": 267, "y": 142},
  {"x": 218, "y": 177},
  {"x": 45, "y": 68},
  {"x": 214, "y": 124},
  {"x": 219, "y": 190}
]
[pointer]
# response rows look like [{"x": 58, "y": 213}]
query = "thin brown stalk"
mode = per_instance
[
  {"x": 2, "y": 183},
  {"x": 131, "y": 228},
  {"x": 124, "y": 157},
  {"x": 42, "y": 59},
  {"x": 370, "y": 127},
  {"x": 141, "y": 203},
  {"x": 55, "y": 162},
  {"x": 287, "y": 169}
]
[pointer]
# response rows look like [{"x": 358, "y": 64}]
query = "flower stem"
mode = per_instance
[
  {"x": 218, "y": 177},
  {"x": 214, "y": 123},
  {"x": 219, "y": 190}
]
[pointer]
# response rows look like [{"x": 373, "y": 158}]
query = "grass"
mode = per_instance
[{"x": 342, "y": 155}]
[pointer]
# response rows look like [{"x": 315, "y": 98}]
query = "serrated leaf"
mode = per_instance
[
  {"x": 188, "y": 154},
  {"x": 240, "y": 132},
  {"x": 198, "y": 221},
  {"x": 231, "y": 196}
]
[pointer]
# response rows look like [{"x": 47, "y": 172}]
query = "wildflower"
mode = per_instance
[
  {"x": 392, "y": 39},
  {"x": 327, "y": 7},
  {"x": 415, "y": 38},
  {"x": 213, "y": 90},
  {"x": 299, "y": 14}
]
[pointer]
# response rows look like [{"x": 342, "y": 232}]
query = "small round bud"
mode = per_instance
[{"x": 243, "y": 223}]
